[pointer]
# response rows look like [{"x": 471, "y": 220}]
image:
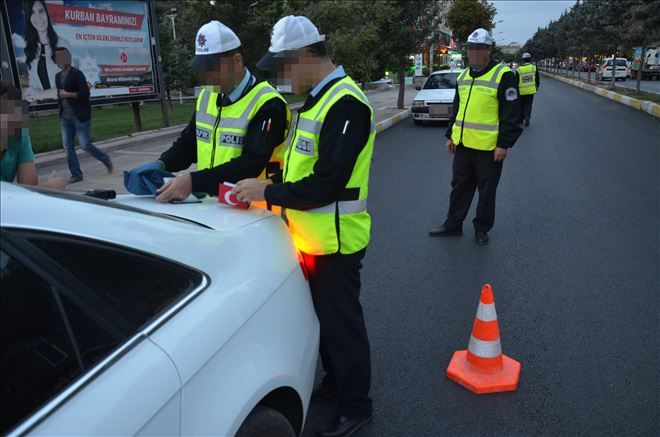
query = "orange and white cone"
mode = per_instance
[{"x": 482, "y": 368}]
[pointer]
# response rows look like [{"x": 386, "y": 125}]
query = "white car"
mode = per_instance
[
  {"x": 133, "y": 317},
  {"x": 604, "y": 70},
  {"x": 435, "y": 100}
]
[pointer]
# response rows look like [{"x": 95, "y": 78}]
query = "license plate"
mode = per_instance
[{"x": 440, "y": 109}]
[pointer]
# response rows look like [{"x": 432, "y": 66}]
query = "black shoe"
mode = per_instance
[
  {"x": 527, "y": 122},
  {"x": 481, "y": 237},
  {"x": 323, "y": 392},
  {"x": 442, "y": 231},
  {"x": 343, "y": 426},
  {"x": 74, "y": 179},
  {"x": 108, "y": 165}
]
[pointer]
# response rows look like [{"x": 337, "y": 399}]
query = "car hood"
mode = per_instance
[
  {"x": 442, "y": 95},
  {"x": 209, "y": 212}
]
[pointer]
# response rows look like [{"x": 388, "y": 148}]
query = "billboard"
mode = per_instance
[{"x": 109, "y": 41}]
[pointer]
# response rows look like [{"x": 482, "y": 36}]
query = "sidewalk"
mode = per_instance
[{"x": 132, "y": 150}]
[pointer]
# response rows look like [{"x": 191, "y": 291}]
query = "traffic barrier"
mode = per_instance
[
  {"x": 482, "y": 368},
  {"x": 647, "y": 106}
]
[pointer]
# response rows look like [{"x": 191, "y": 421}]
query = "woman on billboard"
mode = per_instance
[{"x": 40, "y": 44}]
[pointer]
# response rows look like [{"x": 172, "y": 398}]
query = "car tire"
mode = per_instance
[
  {"x": 264, "y": 421},
  {"x": 418, "y": 122}
]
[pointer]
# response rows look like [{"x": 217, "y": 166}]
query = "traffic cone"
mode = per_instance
[{"x": 482, "y": 368}]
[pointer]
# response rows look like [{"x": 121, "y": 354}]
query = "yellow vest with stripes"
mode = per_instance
[
  {"x": 220, "y": 131},
  {"x": 343, "y": 226},
  {"x": 478, "y": 121},
  {"x": 527, "y": 79}
]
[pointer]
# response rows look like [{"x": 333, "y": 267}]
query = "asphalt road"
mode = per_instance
[{"x": 573, "y": 260}]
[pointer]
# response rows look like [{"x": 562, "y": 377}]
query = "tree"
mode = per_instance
[
  {"x": 404, "y": 26},
  {"x": 465, "y": 16},
  {"x": 642, "y": 24}
]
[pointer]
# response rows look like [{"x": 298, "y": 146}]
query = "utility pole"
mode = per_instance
[{"x": 172, "y": 16}]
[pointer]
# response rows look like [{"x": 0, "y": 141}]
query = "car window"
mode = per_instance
[
  {"x": 621, "y": 63},
  {"x": 38, "y": 355},
  {"x": 441, "y": 81},
  {"x": 136, "y": 285}
]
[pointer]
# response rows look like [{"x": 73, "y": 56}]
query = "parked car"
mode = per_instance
[
  {"x": 604, "y": 70},
  {"x": 133, "y": 317},
  {"x": 384, "y": 83},
  {"x": 435, "y": 100}
]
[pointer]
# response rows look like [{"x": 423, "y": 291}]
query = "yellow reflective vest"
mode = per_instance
[
  {"x": 478, "y": 121},
  {"x": 343, "y": 226},
  {"x": 527, "y": 79},
  {"x": 220, "y": 130}
]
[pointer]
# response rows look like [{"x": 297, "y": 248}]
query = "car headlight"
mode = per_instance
[{"x": 418, "y": 102}]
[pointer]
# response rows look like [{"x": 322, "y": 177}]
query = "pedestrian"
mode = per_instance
[
  {"x": 528, "y": 84},
  {"x": 75, "y": 114},
  {"x": 323, "y": 192},
  {"x": 16, "y": 155},
  {"x": 483, "y": 127},
  {"x": 238, "y": 129}
]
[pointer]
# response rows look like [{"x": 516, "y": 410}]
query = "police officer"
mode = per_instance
[
  {"x": 239, "y": 126},
  {"x": 324, "y": 189},
  {"x": 484, "y": 126},
  {"x": 528, "y": 85}
]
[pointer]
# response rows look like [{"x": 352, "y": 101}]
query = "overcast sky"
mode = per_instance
[{"x": 522, "y": 18}]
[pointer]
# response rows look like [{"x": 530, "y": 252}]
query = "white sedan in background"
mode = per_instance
[
  {"x": 435, "y": 100},
  {"x": 138, "y": 318}
]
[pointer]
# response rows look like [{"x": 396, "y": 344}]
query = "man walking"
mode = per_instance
[
  {"x": 239, "y": 126},
  {"x": 484, "y": 126},
  {"x": 528, "y": 84},
  {"x": 75, "y": 114},
  {"x": 323, "y": 191}
]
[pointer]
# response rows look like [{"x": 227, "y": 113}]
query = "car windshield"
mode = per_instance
[
  {"x": 441, "y": 81},
  {"x": 619, "y": 63}
]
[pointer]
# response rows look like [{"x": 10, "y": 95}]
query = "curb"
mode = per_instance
[
  {"x": 56, "y": 157},
  {"x": 646, "y": 106},
  {"x": 391, "y": 121}
]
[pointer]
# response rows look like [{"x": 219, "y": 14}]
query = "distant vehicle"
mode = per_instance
[
  {"x": 435, "y": 100},
  {"x": 604, "y": 71},
  {"x": 132, "y": 317},
  {"x": 651, "y": 64},
  {"x": 587, "y": 66},
  {"x": 385, "y": 83}
]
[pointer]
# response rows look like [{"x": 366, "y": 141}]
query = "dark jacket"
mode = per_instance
[
  {"x": 338, "y": 153},
  {"x": 75, "y": 82},
  {"x": 509, "y": 110},
  {"x": 258, "y": 147}
]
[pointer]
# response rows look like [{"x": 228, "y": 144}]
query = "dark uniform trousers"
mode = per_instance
[
  {"x": 526, "y": 106},
  {"x": 345, "y": 354},
  {"x": 473, "y": 169}
]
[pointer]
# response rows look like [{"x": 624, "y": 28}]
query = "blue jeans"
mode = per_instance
[{"x": 73, "y": 127}]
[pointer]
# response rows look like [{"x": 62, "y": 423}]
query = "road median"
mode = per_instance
[{"x": 646, "y": 106}]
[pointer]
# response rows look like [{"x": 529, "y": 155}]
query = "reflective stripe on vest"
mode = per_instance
[
  {"x": 220, "y": 131},
  {"x": 342, "y": 226},
  {"x": 477, "y": 121},
  {"x": 527, "y": 79}
]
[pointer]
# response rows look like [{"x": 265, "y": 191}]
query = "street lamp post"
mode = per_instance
[{"x": 172, "y": 16}]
